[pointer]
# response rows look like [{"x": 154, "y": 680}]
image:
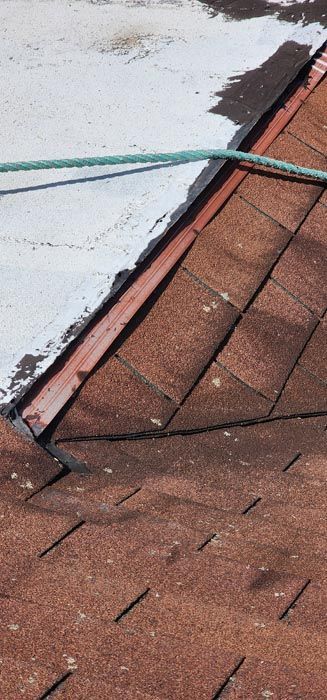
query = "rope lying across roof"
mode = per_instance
[{"x": 177, "y": 157}]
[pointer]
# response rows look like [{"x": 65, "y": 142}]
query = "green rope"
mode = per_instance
[{"x": 178, "y": 157}]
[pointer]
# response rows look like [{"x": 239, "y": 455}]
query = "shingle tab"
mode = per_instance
[
  {"x": 310, "y": 123},
  {"x": 236, "y": 250},
  {"x": 302, "y": 268},
  {"x": 219, "y": 398},
  {"x": 179, "y": 335},
  {"x": 24, "y": 467},
  {"x": 268, "y": 340},
  {"x": 314, "y": 357},
  {"x": 287, "y": 200},
  {"x": 114, "y": 400}
]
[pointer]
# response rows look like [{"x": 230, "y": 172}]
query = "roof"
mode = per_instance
[
  {"x": 117, "y": 77},
  {"x": 192, "y": 565}
]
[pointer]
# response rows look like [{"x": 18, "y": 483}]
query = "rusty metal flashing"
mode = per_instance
[{"x": 50, "y": 394}]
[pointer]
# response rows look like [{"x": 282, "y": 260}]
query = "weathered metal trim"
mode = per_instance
[{"x": 52, "y": 393}]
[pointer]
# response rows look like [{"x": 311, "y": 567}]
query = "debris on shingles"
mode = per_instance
[{"x": 192, "y": 565}]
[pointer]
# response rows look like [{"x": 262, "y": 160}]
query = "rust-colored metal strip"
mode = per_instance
[
  {"x": 55, "y": 392},
  {"x": 47, "y": 398}
]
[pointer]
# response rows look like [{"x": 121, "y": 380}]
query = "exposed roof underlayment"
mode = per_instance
[{"x": 88, "y": 77}]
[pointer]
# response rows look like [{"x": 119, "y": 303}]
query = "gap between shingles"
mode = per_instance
[
  {"x": 313, "y": 375},
  {"x": 229, "y": 678},
  {"x": 296, "y": 361},
  {"x": 308, "y": 145},
  {"x": 292, "y": 461},
  {"x": 61, "y": 539},
  {"x": 294, "y": 297},
  {"x": 153, "y": 435},
  {"x": 258, "y": 290},
  {"x": 211, "y": 290},
  {"x": 256, "y": 392},
  {"x": 55, "y": 686},
  {"x": 129, "y": 495},
  {"x": 143, "y": 379},
  {"x": 207, "y": 366},
  {"x": 209, "y": 539},
  {"x": 293, "y": 604},
  {"x": 132, "y": 605},
  {"x": 61, "y": 474},
  {"x": 277, "y": 259},
  {"x": 251, "y": 505}
]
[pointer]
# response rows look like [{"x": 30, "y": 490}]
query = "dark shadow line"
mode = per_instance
[
  {"x": 50, "y": 691},
  {"x": 64, "y": 471},
  {"x": 61, "y": 539},
  {"x": 251, "y": 505},
  {"x": 206, "y": 541},
  {"x": 295, "y": 600},
  {"x": 265, "y": 171},
  {"x": 126, "y": 498},
  {"x": 292, "y": 461},
  {"x": 131, "y": 605},
  {"x": 95, "y": 178},
  {"x": 220, "y": 690}
]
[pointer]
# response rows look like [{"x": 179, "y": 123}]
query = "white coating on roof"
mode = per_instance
[{"x": 83, "y": 77}]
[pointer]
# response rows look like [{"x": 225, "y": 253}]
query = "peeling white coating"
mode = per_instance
[{"x": 87, "y": 78}]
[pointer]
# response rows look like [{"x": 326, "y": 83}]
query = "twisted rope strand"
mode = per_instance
[{"x": 177, "y": 157}]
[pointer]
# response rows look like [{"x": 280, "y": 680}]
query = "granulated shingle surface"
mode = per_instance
[
  {"x": 310, "y": 123},
  {"x": 314, "y": 357},
  {"x": 303, "y": 392},
  {"x": 26, "y": 680},
  {"x": 179, "y": 335},
  {"x": 258, "y": 679},
  {"x": 190, "y": 567},
  {"x": 303, "y": 267},
  {"x": 236, "y": 250},
  {"x": 286, "y": 200},
  {"x": 268, "y": 340},
  {"x": 24, "y": 468},
  {"x": 109, "y": 401},
  {"x": 218, "y": 398}
]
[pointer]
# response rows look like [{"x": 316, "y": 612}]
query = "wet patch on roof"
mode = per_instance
[
  {"x": 253, "y": 92},
  {"x": 305, "y": 12}
]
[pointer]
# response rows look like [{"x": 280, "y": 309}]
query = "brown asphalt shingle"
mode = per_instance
[
  {"x": 302, "y": 270},
  {"x": 314, "y": 357},
  {"x": 120, "y": 399},
  {"x": 287, "y": 200},
  {"x": 310, "y": 123},
  {"x": 268, "y": 340},
  {"x": 236, "y": 250},
  {"x": 193, "y": 566},
  {"x": 219, "y": 398},
  {"x": 24, "y": 467},
  {"x": 179, "y": 335}
]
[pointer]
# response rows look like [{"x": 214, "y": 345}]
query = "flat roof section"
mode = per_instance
[{"x": 91, "y": 78}]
